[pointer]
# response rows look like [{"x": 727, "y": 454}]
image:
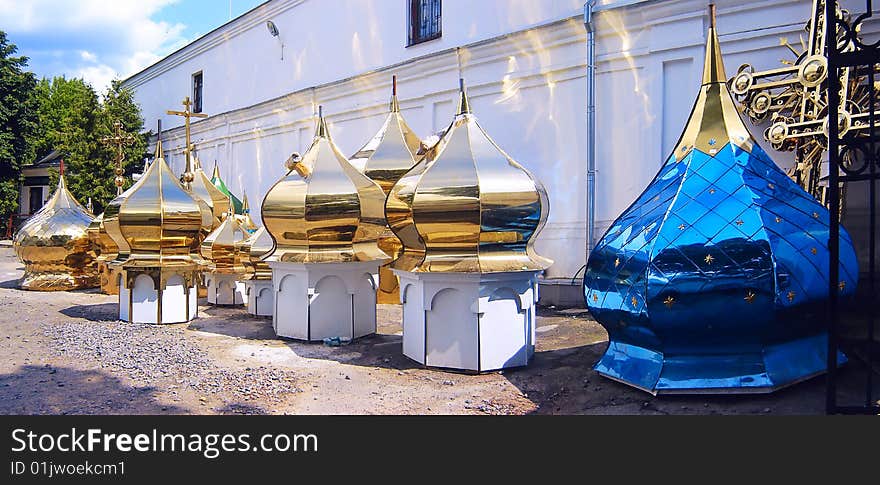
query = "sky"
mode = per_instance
[{"x": 99, "y": 40}]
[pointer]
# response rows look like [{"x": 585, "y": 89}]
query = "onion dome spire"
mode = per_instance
[
  {"x": 392, "y": 150},
  {"x": 324, "y": 209},
  {"x": 159, "y": 221},
  {"x": 200, "y": 186},
  {"x": 221, "y": 185},
  {"x": 245, "y": 218},
  {"x": 714, "y": 279},
  {"x": 471, "y": 209},
  {"x": 252, "y": 252},
  {"x": 54, "y": 244},
  {"x": 220, "y": 246}
]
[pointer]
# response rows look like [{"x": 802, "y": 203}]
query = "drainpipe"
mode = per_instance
[{"x": 591, "y": 126}]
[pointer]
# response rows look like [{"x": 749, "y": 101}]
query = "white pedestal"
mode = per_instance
[
  {"x": 314, "y": 301},
  {"x": 260, "y": 295},
  {"x": 469, "y": 321},
  {"x": 142, "y": 303},
  {"x": 224, "y": 289}
]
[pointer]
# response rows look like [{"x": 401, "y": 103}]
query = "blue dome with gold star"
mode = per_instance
[{"x": 714, "y": 279}]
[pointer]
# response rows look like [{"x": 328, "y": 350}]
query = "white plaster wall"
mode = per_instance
[{"x": 528, "y": 88}]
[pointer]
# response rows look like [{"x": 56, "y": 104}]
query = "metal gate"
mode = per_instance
[{"x": 853, "y": 156}]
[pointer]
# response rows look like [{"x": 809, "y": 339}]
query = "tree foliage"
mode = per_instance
[
  {"x": 74, "y": 122},
  {"x": 18, "y": 121}
]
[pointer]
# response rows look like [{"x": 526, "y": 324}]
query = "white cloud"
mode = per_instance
[{"x": 94, "y": 39}]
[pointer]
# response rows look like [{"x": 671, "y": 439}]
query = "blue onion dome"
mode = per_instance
[{"x": 714, "y": 279}]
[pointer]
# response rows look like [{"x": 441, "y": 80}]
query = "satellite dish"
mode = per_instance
[{"x": 272, "y": 29}]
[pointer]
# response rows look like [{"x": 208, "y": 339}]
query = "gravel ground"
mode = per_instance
[{"x": 64, "y": 352}]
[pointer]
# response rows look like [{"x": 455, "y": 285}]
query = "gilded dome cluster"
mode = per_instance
[
  {"x": 324, "y": 209},
  {"x": 470, "y": 208}
]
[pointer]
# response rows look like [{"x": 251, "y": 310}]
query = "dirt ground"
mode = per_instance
[{"x": 64, "y": 353}]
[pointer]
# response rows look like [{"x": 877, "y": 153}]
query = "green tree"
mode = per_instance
[
  {"x": 74, "y": 121},
  {"x": 18, "y": 117}
]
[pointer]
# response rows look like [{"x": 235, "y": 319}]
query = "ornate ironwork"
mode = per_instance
[
  {"x": 853, "y": 157},
  {"x": 794, "y": 99}
]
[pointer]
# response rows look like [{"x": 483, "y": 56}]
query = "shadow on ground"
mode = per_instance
[
  {"x": 100, "y": 312},
  {"x": 63, "y": 390}
]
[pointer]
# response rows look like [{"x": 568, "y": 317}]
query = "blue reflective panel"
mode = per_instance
[{"x": 713, "y": 280}]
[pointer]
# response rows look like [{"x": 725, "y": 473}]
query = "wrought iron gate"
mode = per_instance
[{"x": 853, "y": 157}]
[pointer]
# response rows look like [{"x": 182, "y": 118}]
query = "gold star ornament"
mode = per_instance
[
  {"x": 669, "y": 301},
  {"x": 750, "y": 297}
]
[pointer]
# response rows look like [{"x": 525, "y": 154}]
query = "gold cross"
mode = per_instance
[
  {"x": 187, "y": 114},
  {"x": 120, "y": 140}
]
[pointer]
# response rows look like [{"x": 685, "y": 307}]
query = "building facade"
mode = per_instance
[
  {"x": 35, "y": 189},
  {"x": 261, "y": 76}
]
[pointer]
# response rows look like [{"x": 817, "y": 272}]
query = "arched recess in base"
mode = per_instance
[
  {"x": 144, "y": 300},
  {"x": 265, "y": 300},
  {"x": 451, "y": 331},
  {"x": 330, "y": 309}
]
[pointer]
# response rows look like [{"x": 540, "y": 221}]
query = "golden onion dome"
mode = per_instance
[
  {"x": 245, "y": 217},
  {"x": 54, "y": 245},
  {"x": 220, "y": 246},
  {"x": 159, "y": 220},
  {"x": 324, "y": 209},
  {"x": 218, "y": 182},
  {"x": 204, "y": 190},
  {"x": 105, "y": 248},
  {"x": 110, "y": 223},
  {"x": 252, "y": 250},
  {"x": 471, "y": 209},
  {"x": 392, "y": 151}
]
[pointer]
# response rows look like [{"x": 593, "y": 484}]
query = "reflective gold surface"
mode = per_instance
[
  {"x": 54, "y": 245},
  {"x": 203, "y": 189},
  {"x": 106, "y": 251},
  {"x": 324, "y": 209},
  {"x": 252, "y": 250},
  {"x": 471, "y": 209},
  {"x": 220, "y": 247},
  {"x": 212, "y": 202},
  {"x": 245, "y": 217},
  {"x": 385, "y": 158},
  {"x": 159, "y": 221}
]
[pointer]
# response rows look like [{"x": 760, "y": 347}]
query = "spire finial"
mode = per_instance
[
  {"x": 216, "y": 174},
  {"x": 61, "y": 169},
  {"x": 160, "y": 153},
  {"x": 464, "y": 105},
  {"x": 322, "y": 130},
  {"x": 395, "y": 105},
  {"x": 713, "y": 69}
]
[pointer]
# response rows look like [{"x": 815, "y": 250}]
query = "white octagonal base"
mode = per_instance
[
  {"x": 469, "y": 321},
  {"x": 224, "y": 289},
  {"x": 260, "y": 297},
  {"x": 143, "y": 304},
  {"x": 314, "y": 301}
]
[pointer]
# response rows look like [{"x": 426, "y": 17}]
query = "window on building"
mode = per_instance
[
  {"x": 36, "y": 199},
  {"x": 197, "y": 92},
  {"x": 424, "y": 21}
]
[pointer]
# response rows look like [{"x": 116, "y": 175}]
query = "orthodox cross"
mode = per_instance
[
  {"x": 188, "y": 175},
  {"x": 120, "y": 140}
]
